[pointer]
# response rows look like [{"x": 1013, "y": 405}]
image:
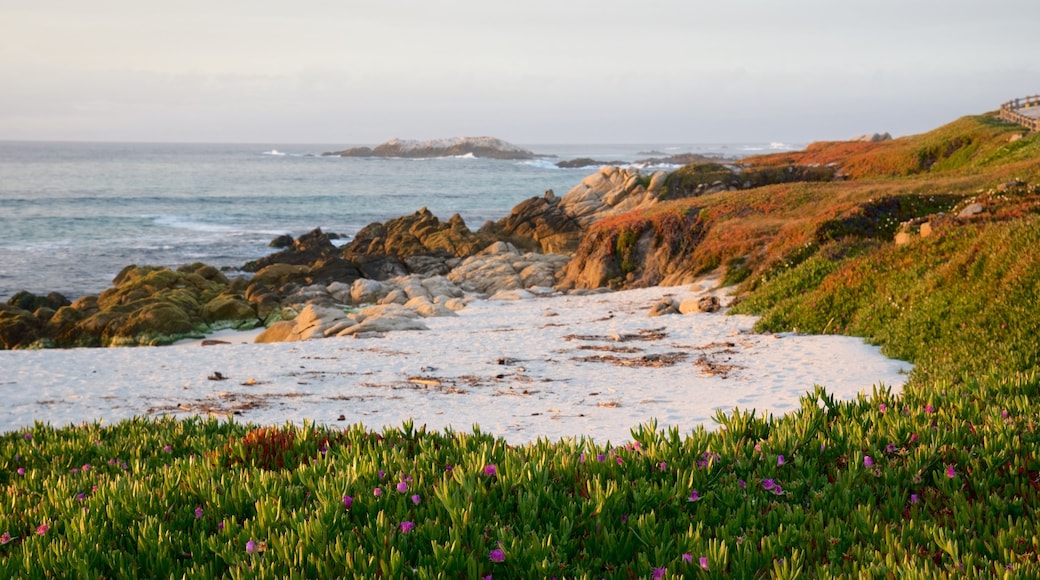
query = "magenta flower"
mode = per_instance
[
  {"x": 868, "y": 461},
  {"x": 490, "y": 469},
  {"x": 220, "y": 525},
  {"x": 704, "y": 562},
  {"x": 381, "y": 474},
  {"x": 742, "y": 484},
  {"x": 780, "y": 460},
  {"x": 407, "y": 526},
  {"x": 347, "y": 501},
  {"x": 694, "y": 496},
  {"x": 883, "y": 407},
  {"x": 377, "y": 492},
  {"x": 5, "y": 538},
  {"x": 198, "y": 513},
  {"x": 42, "y": 529},
  {"x": 663, "y": 466},
  {"x": 497, "y": 555},
  {"x": 167, "y": 449},
  {"x": 21, "y": 471},
  {"x": 687, "y": 558},
  {"x": 600, "y": 457},
  {"x": 448, "y": 468},
  {"x": 768, "y": 484},
  {"x": 619, "y": 460},
  {"x": 659, "y": 573},
  {"x": 402, "y": 487},
  {"x": 416, "y": 499},
  {"x": 581, "y": 458},
  {"x": 929, "y": 409},
  {"x": 914, "y": 498},
  {"x": 28, "y": 435},
  {"x": 250, "y": 547},
  {"x": 951, "y": 472}
]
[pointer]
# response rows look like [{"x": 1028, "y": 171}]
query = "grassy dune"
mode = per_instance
[{"x": 941, "y": 480}]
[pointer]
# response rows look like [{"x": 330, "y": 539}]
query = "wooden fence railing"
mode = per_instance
[{"x": 1009, "y": 112}]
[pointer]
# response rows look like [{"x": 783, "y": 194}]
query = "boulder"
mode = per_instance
[
  {"x": 663, "y": 306},
  {"x": 230, "y": 309},
  {"x": 277, "y": 332},
  {"x": 18, "y": 327},
  {"x": 970, "y": 211},
  {"x": 708, "y": 304},
  {"x": 309, "y": 248}
]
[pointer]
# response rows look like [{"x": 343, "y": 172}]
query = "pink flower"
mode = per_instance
[
  {"x": 490, "y": 469},
  {"x": 867, "y": 461},
  {"x": 929, "y": 409},
  {"x": 883, "y": 407},
  {"x": 659, "y": 573},
  {"x": 704, "y": 562},
  {"x": 663, "y": 466},
  {"x": 21, "y": 471},
  {"x": 250, "y": 547},
  {"x": 687, "y": 558},
  {"x": 951, "y": 472},
  {"x": 5, "y": 538},
  {"x": 381, "y": 474},
  {"x": 497, "y": 555},
  {"x": 86, "y": 467},
  {"x": 407, "y": 526},
  {"x": 416, "y": 499},
  {"x": 347, "y": 501},
  {"x": 780, "y": 460},
  {"x": 619, "y": 460},
  {"x": 167, "y": 449},
  {"x": 402, "y": 487},
  {"x": 42, "y": 529},
  {"x": 600, "y": 457},
  {"x": 377, "y": 492},
  {"x": 198, "y": 513},
  {"x": 914, "y": 498},
  {"x": 28, "y": 435},
  {"x": 694, "y": 496}
]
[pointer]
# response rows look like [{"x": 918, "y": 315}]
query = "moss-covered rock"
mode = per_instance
[
  {"x": 18, "y": 327},
  {"x": 231, "y": 310}
]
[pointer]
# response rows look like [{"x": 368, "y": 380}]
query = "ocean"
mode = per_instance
[{"x": 72, "y": 215}]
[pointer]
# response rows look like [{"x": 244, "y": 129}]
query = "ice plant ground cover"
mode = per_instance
[
  {"x": 942, "y": 480},
  {"x": 952, "y": 485}
]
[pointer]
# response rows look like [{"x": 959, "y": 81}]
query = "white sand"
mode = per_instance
[{"x": 511, "y": 367}]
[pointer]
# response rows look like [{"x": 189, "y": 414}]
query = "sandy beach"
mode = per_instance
[{"x": 554, "y": 367}]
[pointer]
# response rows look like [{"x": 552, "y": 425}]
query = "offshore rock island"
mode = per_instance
[{"x": 483, "y": 147}]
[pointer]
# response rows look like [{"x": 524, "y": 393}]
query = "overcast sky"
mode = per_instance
[{"x": 531, "y": 71}]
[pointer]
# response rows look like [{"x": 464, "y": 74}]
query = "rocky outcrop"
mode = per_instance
[
  {"x": 538, "y": 223},
  {"x": 634, "y": 253},
  {"x": 419, "y": 242},
  {"x": 873, "y": 137},
  {"x": 611, "y": 191},
  {"x": 485, "y": 147},
  {"x": 145, "y": 306},
  {"x": 502, "y": 267}
]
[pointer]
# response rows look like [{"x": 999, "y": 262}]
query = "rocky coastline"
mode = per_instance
[{"x": 392, "y": 275}]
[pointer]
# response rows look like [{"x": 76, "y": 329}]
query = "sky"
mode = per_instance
[{"x": 530, "y": 72}]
